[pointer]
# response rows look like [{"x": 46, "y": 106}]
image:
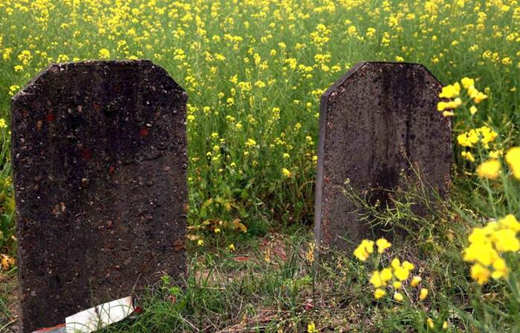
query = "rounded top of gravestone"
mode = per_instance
[
  {"x": 391, "y": 68},
  {"x": 96, "y": 70}
]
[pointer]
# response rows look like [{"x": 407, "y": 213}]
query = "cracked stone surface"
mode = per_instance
[
  {"x": 99, "y": 159},
  {"x": 377, "y": 122}
]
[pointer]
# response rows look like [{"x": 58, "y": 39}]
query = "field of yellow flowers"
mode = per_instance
[{"x": 254, "y": 71}]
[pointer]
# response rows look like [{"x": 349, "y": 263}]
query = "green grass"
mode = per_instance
[{"x": 254, "y": 72}]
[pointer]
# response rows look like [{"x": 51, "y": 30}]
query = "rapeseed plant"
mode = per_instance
[{"x": 255, "y": 71}]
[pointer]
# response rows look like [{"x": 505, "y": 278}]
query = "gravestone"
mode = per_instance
[
  {"x": 99, "y": 159},
  {"x": 378, "y": 124}
]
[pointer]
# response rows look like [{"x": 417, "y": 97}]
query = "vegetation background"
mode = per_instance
[{"x": 254, "y": 71}]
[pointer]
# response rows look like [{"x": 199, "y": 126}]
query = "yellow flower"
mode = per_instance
[
  {"x": 395, "y": 263},
  {"x": 467, "y": 82},
  {"x": 495, "y": 153},
  {"x": 489, "y": 169},
  {"x": 468, "y": 156},
  {"x": 250, "y": 143},
  {"x": 479, "y": 97},
  {"x": 448, "y": 113},
  {"x": 382, "y": 245},
  {"x": 104, "y": 54},
  {"x": 397, "y": 284},
  {"x": 505, "y": 240},
  {"x": 408, "y": 265},
  {"x": 480, "y": 273},
  {"x": 376, "y": 280},
  {"x": 473, "y": 109},
  {"x": 430, "y": 323},
  {"x": 510, "y": 222},
  {"x": 200, "y": 242},
  {"x": 364, "y": 249},
  {"x": 311, "y": 328},
  {"x": 13, "y": 89},
  {"x": 445, "y": 325},
  {"x": 386, "y": 275},
  {"x": 401, "y": 273},
  {"x": 513, "y": 160},
  {"x": 481, "y": 252},
  {"x": 450, "y": 91},
  {"x": 415, "y": 281},
  {"x": 441, "y": 106},
  {"x": 398, "y": 296},
  {"x": 2, "y": 123},
  {"x": 231, "y": 247},
  {"x": 286, "y": 173},
  {"x": 378, "y": 293},
  {"x": 499, "y": 269},
  {"x": 423, "y": 294}
]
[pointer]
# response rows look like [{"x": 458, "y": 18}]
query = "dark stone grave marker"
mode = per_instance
[
  {"x": 375, "y": 123},
  {"x": 99, "y": 159}
]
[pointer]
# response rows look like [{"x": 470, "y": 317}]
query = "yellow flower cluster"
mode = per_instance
[
  {"x": 486, "y": 245},
  {"x": 453, "y": 91},
  {"x": 366, "y": 248},
  {"x": 484, "y": 135},
  {"x": 513, "y": 160},
  {"x": 395, "y": 274},
  {"x": 491, "y": 168}
]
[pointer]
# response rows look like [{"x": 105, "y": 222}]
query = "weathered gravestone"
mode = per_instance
[
  {"x": 377, "y": 124},
  {"x": 99, "y": 158}
]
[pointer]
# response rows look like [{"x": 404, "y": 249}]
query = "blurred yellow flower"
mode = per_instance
[
  {"x": 386, "y": 275},
  {"x": 450, "y": 91},
  {"x": 382, "y": 245},
  {"x": 505, "y": 240},
  {"x": 423, "y": 294},
  {"x": 378, "y": 293},
  {"x": 311, "y": 328},
  {"x": 509, "y": 222},
  {"x": 364, "y": 249},
  {"x": 398, "y": 296},
  {"x": 480, "y": 273},
  {"x": 415, "y": 281},
  {"x": 286, "y": 172},
  {"x": 468, "y": 156},
  {"x": 513, "y": 160},
  {"x": 104, "y": 54},
  {"x": 489, "y": 169},
  {"x": 376, "y": 280},
  {"x": 467, "y": 82}
]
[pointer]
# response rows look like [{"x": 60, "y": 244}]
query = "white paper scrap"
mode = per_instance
[{"x": 100, "y": 316}]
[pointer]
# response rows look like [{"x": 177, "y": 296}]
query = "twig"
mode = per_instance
[
  {"x": 190, "y": 324},
  {"x": 7, "y": 325}
]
